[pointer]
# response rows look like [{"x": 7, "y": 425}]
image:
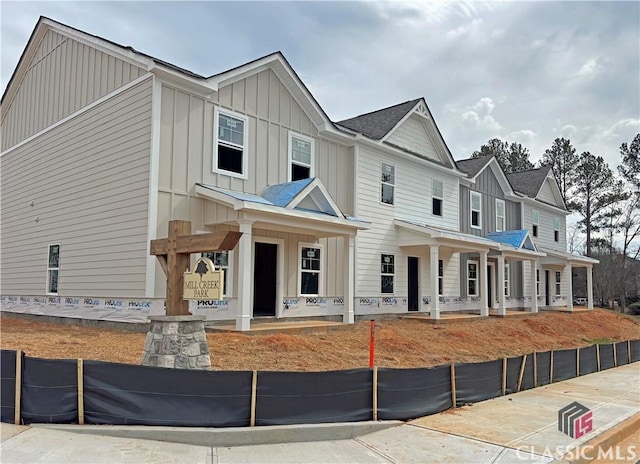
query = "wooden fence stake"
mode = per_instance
[
  {"x": 375, "y": 393},
  {"x": 551, "y": 369},
  {"x": 18, "y": 387},
  {"x": 80, "y": 392},
  {"x": 504, "y": 376},
  {"x": 535, "y": 370},
  {"x": 254, "y": 387},
  {"x": 615, "y": 356},
  {"x": 453, "y": 384},
  {"x": 578, "y": 362},
  {"x": 598, "y": 355},
  {"x": 524, "y": 363}
]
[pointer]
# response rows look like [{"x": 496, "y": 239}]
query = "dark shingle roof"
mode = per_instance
[
  {"x": 529, "y": 181},
  {"x": 378, "y": 123},
  {"x": 473, "y": 166}
]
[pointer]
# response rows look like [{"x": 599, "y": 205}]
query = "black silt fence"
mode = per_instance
[
  {"x": 122, "y": 394},
  {"x": 314, "y": 397},
  {"x": 565, "y": 365},
  {"x": 588, "y": 360},
  {"x": 8, "y": 385},
  {"x": 635, "y": 350},
  {"x": 607, "y": 360},
  {"x": 622, "y": 353},
  {"x": 409, "y": 393},
  {"x": 478, "y": 381},
  {"x": 513, "y": 374},
  {"x": 49, "y": 391},
  {"x": 543, "y": 368},
  {"x": 528, "y": 374}
]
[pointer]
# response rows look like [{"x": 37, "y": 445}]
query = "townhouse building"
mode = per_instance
[{"x": 103, "y": 145}]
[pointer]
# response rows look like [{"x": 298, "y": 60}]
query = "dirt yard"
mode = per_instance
[{"x": 399, "y": 343}]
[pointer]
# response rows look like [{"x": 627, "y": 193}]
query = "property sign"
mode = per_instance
[{"x": 204, "y": 282}]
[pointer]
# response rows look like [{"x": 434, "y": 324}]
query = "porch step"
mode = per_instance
[
  {"x": 446, "y": 318},
  {"x": 511, "y": 314},
  {"x": 270, "y": 328}
]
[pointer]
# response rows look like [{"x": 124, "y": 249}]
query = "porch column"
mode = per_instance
[
  {"x": 245, "y": 280},
  {"x": 433, "y": 276},
  {"x": 502, "y": 310},
  {"x": 348, "y": 316},
  {"x": 534, "y": 286},
  {"x": 484, "y": 291},
  {"x": 567, "y": 276},
  {"x": 589, "y": 287}
]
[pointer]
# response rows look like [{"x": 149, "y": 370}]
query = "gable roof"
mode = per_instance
[
  {"x": 519, "y": 239},
  {"x": 473, "y": 166},
  {"x": 283, "y": 194},
  {"x": 530, "y": 181},
  {"x": 379, "y": 123}
]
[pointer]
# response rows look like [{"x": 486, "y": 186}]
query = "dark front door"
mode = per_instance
[
  {"x": 547, "y": 286},
  {"x": 264, "y": 279},
  {"x": 489, "y": 288},
  {"x": 414, "y": 285}
]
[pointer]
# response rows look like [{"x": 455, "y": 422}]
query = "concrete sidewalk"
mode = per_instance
[{"x": 517, "y": 428}]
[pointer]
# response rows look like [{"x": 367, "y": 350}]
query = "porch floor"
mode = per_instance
[
  {"x": 512, "y": 313},
  {"x": 268, "y": 328},
  {"x": 448, "y": 318},
  {"x": 564, "y": 309}
]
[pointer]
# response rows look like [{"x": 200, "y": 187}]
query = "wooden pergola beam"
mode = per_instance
[{"x": 198, "y": 243}]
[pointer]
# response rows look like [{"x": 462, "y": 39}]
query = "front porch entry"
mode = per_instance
[{"x": 265, "y": 281}]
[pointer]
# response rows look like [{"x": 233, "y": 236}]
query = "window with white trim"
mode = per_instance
[
  {"x": 558, "y": 282},
  {"x": 310, "y": 270},
  {"x": 436, "y": 197},
  {"x": 500, "y": 216},
  {"x": 388, "y": 183},
  {"x": 440, "y": 276},
  {"x": 230, "y": 144},
  {"x": 53, "y": 269},
  {"x": 556, "y": 229},
  {"x": 221, "y": 261},
  {"x": 472, "y": 278},
  {"x": 535, "y": 219},
  {"x": 387, "y": 272},
  {"x": 475, "y": 200},
  {"x": 537, "y": 281},
  {"x": 507, "y": 280},
  {"x": 301, "y": 152}
]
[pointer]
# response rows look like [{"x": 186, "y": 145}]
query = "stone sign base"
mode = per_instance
[{"x": 177, "y": 341}]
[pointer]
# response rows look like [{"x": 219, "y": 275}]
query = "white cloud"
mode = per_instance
[
  {"x": 592, "y": 67},
  {"x": 479, "y": 116},
  {"x": 465, "y": 29}
]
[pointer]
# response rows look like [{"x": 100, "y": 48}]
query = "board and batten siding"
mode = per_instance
[
  {"x": 412, "y": 198},
  {"x": 83, "y": 185},
  {"x": 64, "y": 76}
]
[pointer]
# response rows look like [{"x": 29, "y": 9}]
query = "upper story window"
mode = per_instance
[
  {"x": 221, "y": 261},
  {"x": 535, "y": 219},
  {"x": 472, "y": 278},
  {"x": 230, "y": 144},
  {"x": 301, "y": 150},
  {"x": 436, "y": 195},
  {"x": 500, "y": 216},
  {"x": 556, "y": 229},
  {"x": 476, "y": 210},
  {"x": 387, "y": 272},
  {"x": 388, "y": 182},
  {"x": 53, "y": 269},
  {"x": 310, "y": 269}
]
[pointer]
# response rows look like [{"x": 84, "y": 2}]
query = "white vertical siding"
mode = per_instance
[
  {"x": 64, "y": 76},
  {"x": 88, "y": 180}
]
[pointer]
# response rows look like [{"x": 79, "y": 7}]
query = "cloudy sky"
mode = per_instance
[{"x": 522, "y": 71}]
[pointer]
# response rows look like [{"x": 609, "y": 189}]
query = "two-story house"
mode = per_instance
[{"x": 103, "y": 145}]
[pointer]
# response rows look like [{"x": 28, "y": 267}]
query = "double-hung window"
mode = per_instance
[
  {"x": 558, "y": 282},
  {"x": 230, "y": 144},
  {"x": 221, "y": 261},
  {"x": 472, "y": 278},
  {"x": 300, "y": 157},
  {"x": 535, "y": 219},
  {"x": 440, "y": 276},
  {"x": 436, "y": 197},
  {"x": 507, "y": 286},
  {"x": 556, "y": 229},
  {"x": 476, "y": 210},
  {"x": 387, "y": 272},
  {"x": 53, "y": 269},
  {"x": 388, "y": 183},
  {"x": 537, "y": 281},
  {"x": 500, "y": 216},
  {"x": 310, "y": 270}
]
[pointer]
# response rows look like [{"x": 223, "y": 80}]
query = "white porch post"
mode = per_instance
[
  {"x": 589, "y": 287},
  {"x": 348, "y": 316},
  {"x": 484, "y": 291},
  {"x": 244, "y": 309},
  {"x": 502, "y": 310},
  {"x": 534, "y": 286},
  {"x": 433, "y": 277},
  {"x": 567, "y": 276}
]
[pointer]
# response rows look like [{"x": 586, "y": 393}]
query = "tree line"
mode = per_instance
[{"x": 607, "y": 201}]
